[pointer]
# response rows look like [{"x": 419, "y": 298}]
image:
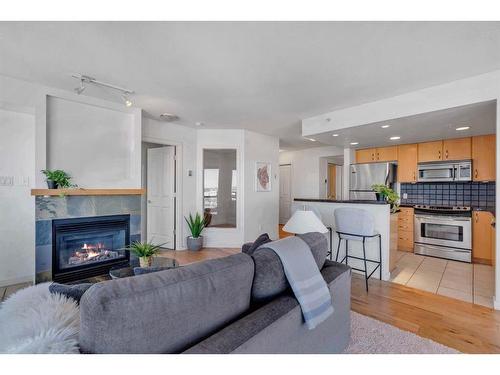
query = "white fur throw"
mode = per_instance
[{"x": 33, "y": 320}]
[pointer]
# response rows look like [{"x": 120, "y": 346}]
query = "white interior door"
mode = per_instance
[
  {"x": 161, "y": 196},
  {"x": 285, "y": 193}
]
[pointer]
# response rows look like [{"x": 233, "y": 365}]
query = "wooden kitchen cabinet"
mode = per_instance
[
  {"x": 374, "y": 155},
  {"x": 483, "y": 158},
  {"x": 365, "y": 156},
  {"x": 407, "y": 163},
  {"x": 482, "y": 238},
  {"x": 457, "y": 149},
  {"x": 387, "y": 153},
  {"x": 430, "y": 151},
  {"x": 405, "y": 229}
]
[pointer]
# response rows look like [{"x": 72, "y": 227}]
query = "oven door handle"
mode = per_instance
[{"x": 443, "y": 218}]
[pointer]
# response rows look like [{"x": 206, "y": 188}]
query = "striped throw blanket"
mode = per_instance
[{"x": 304, "y": 277}]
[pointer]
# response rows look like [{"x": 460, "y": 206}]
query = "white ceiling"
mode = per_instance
[
  {"x": 263, "y": 76},
  {"x": 480, "y": 117}
]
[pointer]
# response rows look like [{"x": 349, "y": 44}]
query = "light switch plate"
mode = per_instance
[{"x": 6, "y": 180}]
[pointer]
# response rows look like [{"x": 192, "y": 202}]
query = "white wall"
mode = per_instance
[
  {"x": 261, "y": 208},
  {"x": 94, "y": 144},
  {"x": 222, "y": 139},
  {"x": 308, "y": 170},
  {"x": 185, "y": 139},
  {"x": 17, "y": 209},
  {"x": 256, "y": 212}
]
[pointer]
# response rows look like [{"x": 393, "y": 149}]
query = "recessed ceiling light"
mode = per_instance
[
  {"x": 354, "y": 143},
  {"x": 199, "y": 123},
  {"x": 335, "y": 135},
  {"x": 385, "y": 126},
  {"x": 395, "y": 138},
  {"x": 281, "y": 150},
  {"x": 311, "y": 139},
  {"x": 463, "y": 128}
]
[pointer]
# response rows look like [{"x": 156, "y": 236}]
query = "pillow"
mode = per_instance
[
  {"x": 269, "y": 277},
  {"x": 249, "y": 248},
  {"x": 72, "y": 291}
]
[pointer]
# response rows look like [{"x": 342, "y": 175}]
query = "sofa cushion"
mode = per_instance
[
  {"x": 74, "y": 291},
  {"x": 250, "y": 247},
  {"x": 269, "y": 278},
  {"x": 166, "y": 311},
  {"x": 240, "y": 332}
]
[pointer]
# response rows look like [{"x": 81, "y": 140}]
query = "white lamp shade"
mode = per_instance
[{"x": 304, "y": 222}]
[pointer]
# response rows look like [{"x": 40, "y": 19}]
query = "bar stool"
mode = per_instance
[
  {"x": 305, "y": 207},
  {"x": 354, "y": 224}
]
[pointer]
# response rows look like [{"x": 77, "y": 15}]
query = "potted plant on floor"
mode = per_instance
[
  {"x": 385, "y": 193},
  {"x": 145, "y": 251},
  {"x": 57, "y": 179},
  {"x": 196, "y": 226}
]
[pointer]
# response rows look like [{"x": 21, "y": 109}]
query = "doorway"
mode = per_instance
[
  {"x": 160, "y": 202},
  {"x": 285, "y": 193}
]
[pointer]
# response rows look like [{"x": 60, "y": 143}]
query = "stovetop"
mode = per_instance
[{"x": 442, "y": 208}]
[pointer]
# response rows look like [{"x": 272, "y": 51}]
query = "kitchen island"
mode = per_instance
[{"x": 381, "y": 212}]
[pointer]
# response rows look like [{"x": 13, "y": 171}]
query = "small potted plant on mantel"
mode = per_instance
[
  {"x": 145, "y": 251},
  {"x": 196, "y": 226},
  {"x": 385, "y": 193},
  {"x": 57, "y": 179}
]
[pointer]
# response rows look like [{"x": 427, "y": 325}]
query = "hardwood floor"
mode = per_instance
[
  {"x": 282, "y": 233},
  {"x": 461, "y": 325},
  {"x": 186, "y": 256},
  {"x": 6, "y": 291}
]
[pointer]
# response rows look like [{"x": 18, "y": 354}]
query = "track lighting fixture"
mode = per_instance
[
  {"x": 125, "y": 93},
  {"x": 126, "y": 100},
  {"x": 81, "y": 88}
]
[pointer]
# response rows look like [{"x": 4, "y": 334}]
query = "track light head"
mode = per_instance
[
  {"x": 81, "y": 88},
  {"x": 126, "y": 100}
]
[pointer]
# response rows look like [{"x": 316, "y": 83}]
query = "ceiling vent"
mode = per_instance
[{"x": 169, "y": 117}]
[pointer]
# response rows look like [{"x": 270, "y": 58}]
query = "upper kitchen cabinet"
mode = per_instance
[
  {"x": 483, "y": 158},
  {"x": 430, "y": 151},
  {"x": 457, "y": 149},
  {"x": 387, "y": 153},
  {"x": 407, "y": 163},
  {"x": 365, "y": 156},
  {"x": 374, "y": 155}
]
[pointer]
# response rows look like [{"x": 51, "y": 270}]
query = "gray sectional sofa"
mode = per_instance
[{"x": 237, "y": 304}]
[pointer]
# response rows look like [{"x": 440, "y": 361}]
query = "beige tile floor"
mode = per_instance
[{"x": 467, "y": 282}]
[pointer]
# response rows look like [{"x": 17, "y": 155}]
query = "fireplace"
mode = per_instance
[{"x": 89, "y": 246}]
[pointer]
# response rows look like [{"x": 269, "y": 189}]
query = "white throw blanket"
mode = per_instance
[
  {"x": 304, "y": 277},
  {"x": 33, "y": 320}
]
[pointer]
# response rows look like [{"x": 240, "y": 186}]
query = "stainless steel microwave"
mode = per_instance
[{"x": 442, "y": 172}]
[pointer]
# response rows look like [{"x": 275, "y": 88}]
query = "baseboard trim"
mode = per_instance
[{"x": 17, "y": 280}]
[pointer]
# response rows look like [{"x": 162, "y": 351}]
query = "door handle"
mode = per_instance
[
  {"x": 439, "y": 155},
  {"x": 446, "y": 154},
  {"x": 475, "y": 173}
]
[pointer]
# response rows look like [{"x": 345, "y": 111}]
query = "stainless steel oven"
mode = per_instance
[
  {"x": 442, "y": 172},
  {"x": 444, "y": 232}
]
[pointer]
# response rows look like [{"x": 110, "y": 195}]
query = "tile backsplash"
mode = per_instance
[{"x": 474, "y": 194}]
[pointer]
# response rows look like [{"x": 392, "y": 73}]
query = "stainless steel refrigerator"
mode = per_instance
[{"x": 363, "y": 176}]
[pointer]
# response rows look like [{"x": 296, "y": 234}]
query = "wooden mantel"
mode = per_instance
[{"x": 78, "y": 191}]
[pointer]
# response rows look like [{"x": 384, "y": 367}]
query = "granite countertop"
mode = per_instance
[{"x": 339, "y": 201}]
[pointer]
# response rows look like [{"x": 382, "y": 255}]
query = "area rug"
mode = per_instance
[{"x": 370, "y": 336}]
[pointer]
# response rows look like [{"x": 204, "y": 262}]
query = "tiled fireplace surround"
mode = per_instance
[
  {"x": 473, "y": 194},
  {"x": 55, "y": 207}
]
